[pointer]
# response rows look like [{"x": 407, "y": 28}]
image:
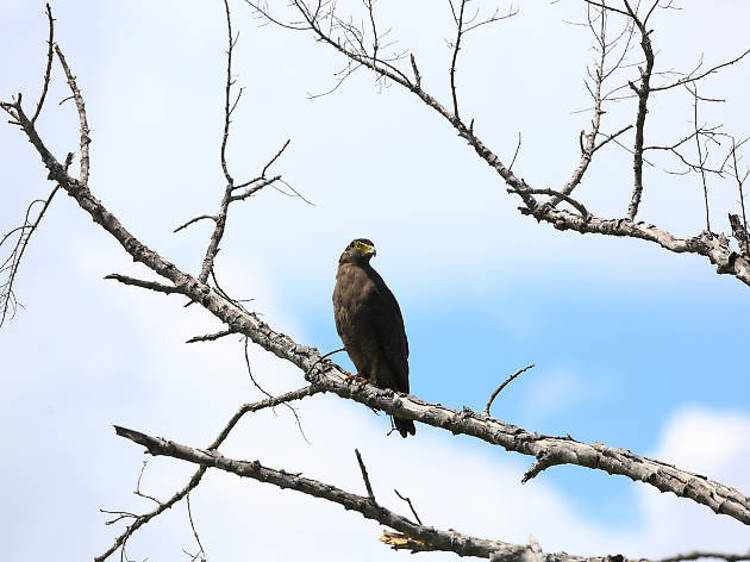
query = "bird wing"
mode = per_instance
[{"x": 389, "y": 332}]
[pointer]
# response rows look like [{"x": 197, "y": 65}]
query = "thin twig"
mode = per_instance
[
  {"x": 194, "y": 220},
  {"x": 192, "y": 526},
  {"x": 642, "y": 91},
  {"x": 212, "y": 337},
  {"x": 505, "y": 383},
  {"x": 698, "y": 554},
  {"x": 711, "y": 70},
  {"x": 291, "y": 408},
  {"x": 701, "y": 161},
  {"x": 137, "y": 490},
  {"x": 48, "y": 70},
  {"x": 7, "y": 297},
  {"x": 365, "y": 476},
  {"x": 459, "y": 18},
  {"x": 515, "y": 154},
  {"x": 411, "y": 506},
  {"x": 143, "y": 284}
]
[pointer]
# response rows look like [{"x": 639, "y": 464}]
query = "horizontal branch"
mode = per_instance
[
  {"x": 211, "y": 337},
  {"x": 714, "y": 247},
  {"x": 449, "y": 541}
]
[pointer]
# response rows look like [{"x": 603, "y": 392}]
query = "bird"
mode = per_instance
[{"x": 369, "y": 323}]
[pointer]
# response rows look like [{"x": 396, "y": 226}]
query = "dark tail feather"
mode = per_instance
[{"x": 404, "y": 427}]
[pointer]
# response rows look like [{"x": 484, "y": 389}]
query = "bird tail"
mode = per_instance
[{"x": 404, "y": 427}]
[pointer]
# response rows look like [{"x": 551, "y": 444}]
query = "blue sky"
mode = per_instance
[{"x": 633, "y": 346}]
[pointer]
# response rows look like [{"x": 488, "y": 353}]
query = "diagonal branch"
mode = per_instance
[
  {"x": 435, "y": 539},
  {"x": 195, "y": 479},
  {"x": 81, "y": 107},
  {"x": 505, "y": 383}
]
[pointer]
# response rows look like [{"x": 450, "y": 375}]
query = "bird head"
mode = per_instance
[{"x": 359, "y": 250}]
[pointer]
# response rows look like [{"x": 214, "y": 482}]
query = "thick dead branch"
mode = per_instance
[{"x": 436, "y": 539}]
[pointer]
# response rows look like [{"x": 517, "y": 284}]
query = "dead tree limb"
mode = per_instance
[
  {"x": 432, "y": 538},
  {"x": 324, "y": 24}
]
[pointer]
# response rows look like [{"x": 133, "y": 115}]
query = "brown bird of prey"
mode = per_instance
[{"x": 369, "y": 322}]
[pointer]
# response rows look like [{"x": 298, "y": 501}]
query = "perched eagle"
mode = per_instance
[{"x": 369, "y": 323}]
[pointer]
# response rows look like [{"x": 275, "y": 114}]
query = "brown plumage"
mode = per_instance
[{"x": 369, "y": 322}]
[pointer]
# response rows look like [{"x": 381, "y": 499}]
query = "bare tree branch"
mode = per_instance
[
  {"x": 81, "y": 107},
  {"x": 505, "y": 383},
  {"x": 50, "y": 58},
  {"x": 642, "y": 91},
  {"x": 450, "y": 541},
  {"x": 411, "y": 506},
  {"x": 694, "y": 78},
  {"x": 143, "y": 284},
  {"x": 13, "y": 262},
  {"x": 365, "y": 476},
  {"x": 195, "y": 479},
  {"x": 193, "y": 221},
  {"x": 202, "y": 550},
  {"x": 698, "y": 554},
  {"x": 211, "y": 337}
]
